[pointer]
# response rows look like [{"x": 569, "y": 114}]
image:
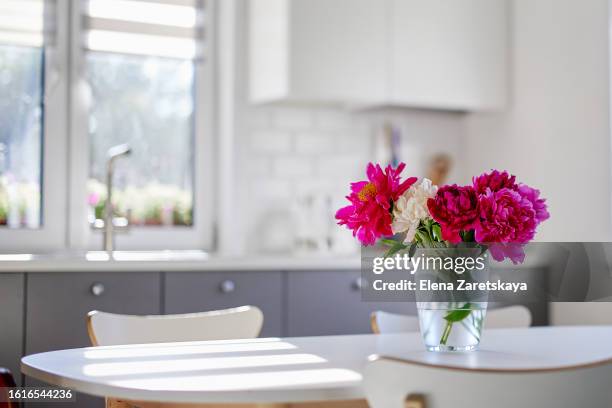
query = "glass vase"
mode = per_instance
[
  {"x": 450, "y": 305},
  {"x": 451, "y": 326}
]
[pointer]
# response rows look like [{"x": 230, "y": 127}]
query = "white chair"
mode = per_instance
[
  {"x": 108, "y": 329},
  {"x": 394, "y": 383},
  {"x": 505, "y": 317},
  {"x": 385, "y": 322}
]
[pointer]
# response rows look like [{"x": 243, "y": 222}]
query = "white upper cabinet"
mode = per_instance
[
  {"x": 448, "y": 54},
  {"x": 439, "y": 54},
  {"x": 317, "y": 50}
]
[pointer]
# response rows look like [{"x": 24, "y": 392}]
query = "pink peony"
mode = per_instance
[
  {"x": 494, "y": 181},
  {"x": 513, "y": 251},
  {"x": 509, "y": 214},
  {"x": 505, "y": 216},
  {"x": 369, "y": 215},
  {"x": 539, "y": 204},
  {"x": 456, "y": 209}
]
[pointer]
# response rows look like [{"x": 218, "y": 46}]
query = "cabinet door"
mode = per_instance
[
  {"x": 448, "y": 54},
  {"x": 327, "y": 303},
  {"x": 11, "y": 322},
  {"x": 198, "y": 292},
  {"x": 317, "y": 50},
  {"x": 57, "y": 304}
]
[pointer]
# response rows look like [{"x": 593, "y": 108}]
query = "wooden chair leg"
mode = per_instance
[
  {"x": 415, "y": 401},
  {"x": 332, "y": 404},
  {"x": 116, "y": 403}
]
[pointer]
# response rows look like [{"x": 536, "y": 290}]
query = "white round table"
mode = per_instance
[{"x": 286, "y": 370}]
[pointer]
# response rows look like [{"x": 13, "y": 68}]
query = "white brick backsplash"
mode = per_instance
[
  {"x": 259, "y": 166},
  {"x": 289, "y": 153},
  {"x": 342, "y": 167},
  {"x": 258, "y": 118},
  {"x": 293, "y": 167},
  {"x": 314, "y": 143},
  {"x": 332, "y": 119},
  {"x": 270, "y": 141},
  {"x": 267, "y": 189},
  {"x": 358, "y": 142},
  {"x": 292, "y": 118},
  {"x": 314, "y": 186}
]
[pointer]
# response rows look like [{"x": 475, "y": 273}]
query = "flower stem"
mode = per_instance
[{"x": 446, "y": 333}]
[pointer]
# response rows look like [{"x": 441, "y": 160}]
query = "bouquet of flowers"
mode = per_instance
[{"x": 494, "y": 212}]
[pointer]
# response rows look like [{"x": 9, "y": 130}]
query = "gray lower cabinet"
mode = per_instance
[
  {"x": 196, "y": 292},
  {"x": 57, "y": 305},
  {"x": 329, "y": 303},
  {"x": 11, "y": 322}
]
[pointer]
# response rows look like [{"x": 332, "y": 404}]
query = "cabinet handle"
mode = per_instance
[
  {"x": 357, "y": 283},
  {"x": 97, "y": 289},
  {"x": 227, "y": 286}
]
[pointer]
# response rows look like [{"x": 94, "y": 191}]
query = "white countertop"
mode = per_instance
[
  {"x": 170, "y": 261},
  {"x": 192, "y": 260},
  {"x": 297, "y": 369}
]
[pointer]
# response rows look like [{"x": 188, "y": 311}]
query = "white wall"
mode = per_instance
[{"x": 556, "y": 135}]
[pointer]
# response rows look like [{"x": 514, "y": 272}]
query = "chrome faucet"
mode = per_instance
[{"x": 110, "y": 223}]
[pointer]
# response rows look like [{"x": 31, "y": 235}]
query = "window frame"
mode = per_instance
[
  {"x": 51, "y": 235},
  {"x": 200, "y": 234},
  {"x": 65, "y": 153}
]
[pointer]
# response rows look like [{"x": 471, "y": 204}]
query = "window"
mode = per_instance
[
  {"x": 21, "y": 114},
  {"x": 147, "y": 85},
  {"x": 78, "y": 77},
  {"x": 140, "y": 69},
  {"x": 146, "y": 102}
]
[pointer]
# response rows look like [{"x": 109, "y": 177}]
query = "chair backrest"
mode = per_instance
[
  {"x": 6, "y": 381},
  {"x": 384, "y": 322},
  {"x": 390, "y": 383},
  {"x": 505, "y": 317},
  {"x": 107, "y": 329}
]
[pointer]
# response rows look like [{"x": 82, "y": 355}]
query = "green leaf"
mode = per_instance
[
  {"x": 412, "y": 249},
  {"x": 458, "y": 315},
  {"x": 395, "y": 248},
  {"x": 388, "y": 242},
  {"x": 424, "y": 238},
  {"x": 436, "y": 231},
  {"x": 467, "y": 236}
]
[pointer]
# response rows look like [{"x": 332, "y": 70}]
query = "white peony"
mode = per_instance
[{"x": 411, "y": 208}]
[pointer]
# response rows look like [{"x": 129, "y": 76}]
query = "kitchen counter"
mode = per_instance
[
  {"x": 169, "y": 261},
  {"x": 196, "y": 261}
]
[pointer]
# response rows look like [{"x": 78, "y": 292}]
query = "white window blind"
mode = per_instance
[
  {"x": 22, "y": 22},
  {"x": 166, "y": 28}
]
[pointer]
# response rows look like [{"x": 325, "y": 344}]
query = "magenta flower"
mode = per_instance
[
  {"x": 539, "y": 204},
  {"x": 505, "y": 216},
  {"x": 456, "y": 209},
  {"x": 369, "y": 215},
  {"x": 509, "y": 214},
  {"x": 513, "y": 251},
  {"x": 494, "y": 181}
]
